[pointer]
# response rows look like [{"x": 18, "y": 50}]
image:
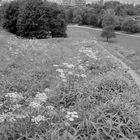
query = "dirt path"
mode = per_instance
[{"x": 135, "y": 76}]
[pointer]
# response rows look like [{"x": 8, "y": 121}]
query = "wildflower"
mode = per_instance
[
  {"x": 68, "y": 65},
  {"x": 70, "y": 73},
  {"x": 60, "y": 70},
  {"x": 83, "y": 76},
  {"x": 64, "y": 80},
  {"x": 15, "y": 96},
  {"x": 1, "y": 105},
  {"x": 47, "y": 90},
  {"x": 38, "y": 119},
  {"x": 62, "y": 75},
  {"x": 71, "y": 119},
  {"x": 55, "y": 65},
  {"x": 81, "y": 67},
  {"x": 11, "y": 118},
  {"x": 2, "y": 118},
  {"x": 41, "y": 97},
  {"x": 71, "y": 115},
  {"x": 50, "y": 107},
  {"x": 35, "y": 105},
  {"x": 17, "y": 106}
]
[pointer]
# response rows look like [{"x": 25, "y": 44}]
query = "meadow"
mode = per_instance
[
  {"x": 65, "y": 89},
  {"x": 127, "y": 48}
]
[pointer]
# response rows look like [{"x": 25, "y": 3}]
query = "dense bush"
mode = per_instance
[
  {"x": 130, "y": 25},
  {"x": 34, "y": 19},
  {"x": 9, "y": 16}
]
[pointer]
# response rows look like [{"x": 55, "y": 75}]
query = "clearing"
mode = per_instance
[{"x": 44, "y": 82}]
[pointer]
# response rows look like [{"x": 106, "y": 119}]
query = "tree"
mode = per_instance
[
  {"x": 108, "y": 32},
  {"x": 109, "y": 18},
  {"x": 130, "y": 25},
  {"x": 108, "y": 24}
]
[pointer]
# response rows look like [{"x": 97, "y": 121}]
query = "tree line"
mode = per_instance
[
  {"x": 42, "y": 19},
  {"x": 123, "y": 15}
]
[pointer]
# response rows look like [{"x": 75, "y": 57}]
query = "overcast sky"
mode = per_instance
[{"x": 131, "y": 1}]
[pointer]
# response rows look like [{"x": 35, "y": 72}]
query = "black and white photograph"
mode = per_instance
[{"x": 69, "y": 69}]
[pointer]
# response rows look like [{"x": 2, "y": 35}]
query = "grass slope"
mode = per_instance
[
  {"x": 66, "y": 89},
  {"x": 127, "y": 46}
]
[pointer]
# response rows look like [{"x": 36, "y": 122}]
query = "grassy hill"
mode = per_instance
[{"x": 65, "y": 88}]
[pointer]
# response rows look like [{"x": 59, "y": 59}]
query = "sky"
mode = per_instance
[
  {"x": 129, "y": 1},
  {"x": 124, "y": 1}
]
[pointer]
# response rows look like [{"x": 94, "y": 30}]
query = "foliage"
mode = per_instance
[
  {"x": 119, "y": 21},
  {"x": 34, "y": 19},
  {"x": 87, "y": 96},
  {"x": 109, "y": 18},
  {"x": 95, "y": 15},
  {"x": 108, "y": 32},
  {"x": 9, "y": 15},
  {"x": 130, "y": 25}
]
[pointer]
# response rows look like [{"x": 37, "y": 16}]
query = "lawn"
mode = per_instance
[
  {"x": 65, "y": 89},
  {"x": 127, "y": 46}
]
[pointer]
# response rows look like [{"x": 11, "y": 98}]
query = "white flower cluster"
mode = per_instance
[
  {"x": 14, "y": 96},
  {"x": 89, "y": 52},
  {"x": 62, "y": 75},
  {"x": 70, "y": 66},
  {"x": 8, "y": 116},
  {"x": 35, "y": 104},
  {"x": 38, "y": 119},
  {"x": 39, "y": 98},
  {"x": 50, "y": 107},
  {"x": 71, "y": 116}
]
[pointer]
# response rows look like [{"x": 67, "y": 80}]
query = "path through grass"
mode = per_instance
[{"x": 65, "y": 88}]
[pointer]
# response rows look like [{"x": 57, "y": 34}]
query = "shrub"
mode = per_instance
[
  {"x": 34, "y": 19},
  {"x": 9, "y": 14},
  {"x": 130, "y": 25}
]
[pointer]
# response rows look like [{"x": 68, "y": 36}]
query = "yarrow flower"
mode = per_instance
[
  {"x": 81, "y": 68},
  {"x": 47, "y": 90},
  {"x": 38, "y": 119},
  {"x": 71, "y": 115},
  {"x": 50, "y": 107},
  {"x": 2, "y": 118},
  {"x": 89, "y": 52},
  {"x": 68, "y": 65},
  {"x": 35, "y": 105},
  {"x": 70, "y": 73},
  {"x": 41, "y": 97},
  {"x": 60, "y": 70},
  {"x": 14, "y": 96},
  {"x": 83, "y": 76},
  {"x": 62, "y": 74}
]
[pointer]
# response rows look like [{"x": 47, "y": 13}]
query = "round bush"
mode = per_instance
[
  {"x": 9, "y": 13},
  {"x": 34, "y": 19}
]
